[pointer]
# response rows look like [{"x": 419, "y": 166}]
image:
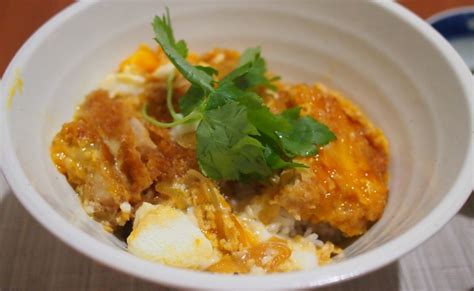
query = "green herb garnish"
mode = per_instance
[{"x": 237, "y": 138}]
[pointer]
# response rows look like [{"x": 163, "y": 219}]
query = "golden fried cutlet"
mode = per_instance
[{"x": 346, "y": 183}]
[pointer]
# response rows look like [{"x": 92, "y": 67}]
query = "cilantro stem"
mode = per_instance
[
  {"x": 190, "y": 117},
  {"x": 169, "y": 95}
]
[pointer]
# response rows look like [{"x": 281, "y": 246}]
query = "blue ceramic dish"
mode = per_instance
[{"x": 457, "y": 26}]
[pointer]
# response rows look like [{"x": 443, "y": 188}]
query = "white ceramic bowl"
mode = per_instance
[{"x": 404, "y": 75}]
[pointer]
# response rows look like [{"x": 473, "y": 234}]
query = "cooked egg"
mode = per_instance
[
  {"x": 167, "y": 235},
  {"x": 303, "y": 251},
  {"x": 303, "y": 255},
  {"x": 123, "y": 84},
  {"x": 255, "y": 226},
  {"x": 164, "y": 70},
  {"x": 184, "y": 134},
  {"x": 144, "y": 59}
]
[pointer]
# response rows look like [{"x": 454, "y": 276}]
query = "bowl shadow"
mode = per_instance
[{"x": 468, "y": 207}]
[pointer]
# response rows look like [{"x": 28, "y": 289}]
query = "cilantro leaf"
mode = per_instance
[
  {"x": 226, "y": 92},
  {"x": 251, "y": 72},
  {"x": 255, "y": 77},
  {"x": 238, "y": 72},
  {"x": 181, "y": 45},
  {"x": 274, "y": 159},
  {"x": 260, "y": 116},
  {"x": 208, "y": 70},
  {"x": 195, "y": 95},
  {"x": 225, "y": 147},
  {"x": 291, "y": 134},
  {"x": 249, "y": 55},
  {"x": 182, "y": 48},
  {"x": 174, "y": 51},
  {"x": 305, "y": 136},
  {"x": 191, "y": 99}
]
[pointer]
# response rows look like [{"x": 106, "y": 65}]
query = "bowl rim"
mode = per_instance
[
  {"x": 388, "y": 252},
  {"x": 452, "y": 12}
]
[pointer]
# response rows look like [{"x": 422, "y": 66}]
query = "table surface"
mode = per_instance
[{"x": 32, "y": 259}]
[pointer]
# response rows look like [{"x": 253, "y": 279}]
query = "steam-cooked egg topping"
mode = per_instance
[{"x": 165, "y": 234}]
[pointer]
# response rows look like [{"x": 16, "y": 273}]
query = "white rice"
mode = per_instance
[{"x": 284, "y": 225}]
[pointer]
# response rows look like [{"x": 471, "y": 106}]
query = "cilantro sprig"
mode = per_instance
[{"x": 238, "y": 138}]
